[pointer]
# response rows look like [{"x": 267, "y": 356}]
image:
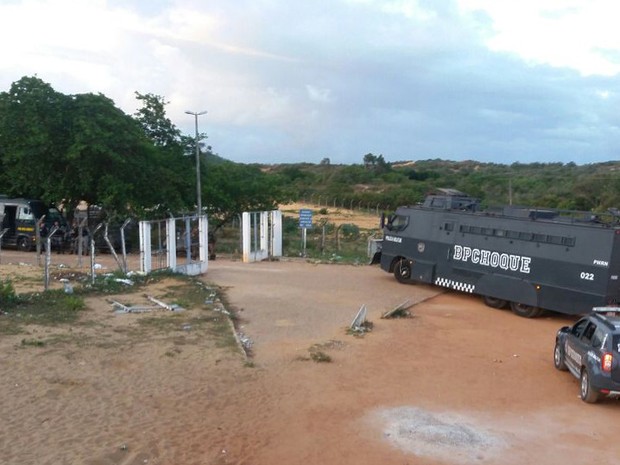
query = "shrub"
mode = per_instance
[
  {"x": 350, "y": 231},
  {"x": 7, "y": 292}
]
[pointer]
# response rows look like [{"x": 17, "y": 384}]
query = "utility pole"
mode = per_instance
[{"x": 198, "y": 189}]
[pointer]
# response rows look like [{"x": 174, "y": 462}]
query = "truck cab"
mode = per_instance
[{"x": 18, "y": 218}]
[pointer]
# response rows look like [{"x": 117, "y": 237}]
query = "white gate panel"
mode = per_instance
[
  {"x": 276, "y": 233},
  {"x": 193, "y": 265},
  {"x": 261, "y": 235}
]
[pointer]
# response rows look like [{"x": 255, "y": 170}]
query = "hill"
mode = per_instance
[{"x": 384, "y": 186}]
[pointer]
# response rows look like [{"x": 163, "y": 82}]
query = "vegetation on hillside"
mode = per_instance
[{"x": 594, "y": 187}]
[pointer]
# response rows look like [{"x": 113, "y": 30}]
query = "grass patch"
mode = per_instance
[
  {"x": 318, "y": 353},
  {"x": 172, "y": 352},
  {"x": 7, "y": 292},
  {"x": 33, "y": 343},
  {"x": 188, "y": 294},
  {"x": 320, "y": 357},
  {"x": 203, "y": 321},
  {"x": 48, "y": 309}
]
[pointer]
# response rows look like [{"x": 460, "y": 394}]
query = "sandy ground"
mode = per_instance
[
  {"x": 336, "y": 215},
  {"x": 458, "y": 383}
]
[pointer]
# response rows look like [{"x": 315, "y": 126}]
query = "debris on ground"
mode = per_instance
[
  {"x": 68, "y": 288},
  {"x": 171, "y": 307},
  {"x": 360, "y": 325},
  {"x": 244, "y": 341},
  {"x": 159, "y": 305},
  {"x": 211, "y": 298},
  {"x": 400, "y": 311},
  {"x": 122, "y": 308}
]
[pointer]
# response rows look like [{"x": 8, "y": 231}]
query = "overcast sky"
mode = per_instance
[{"x": 302, "y": 80}]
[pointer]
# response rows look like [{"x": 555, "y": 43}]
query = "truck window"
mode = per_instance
[
  {"x": 588, "y": 333},
  {"x": 397, "y": 222},
  {"x": 24, "y": 213},
  {"x": 578, "y": 328},
  {"x": 438, "y": 203},
  {"x": 598, "y": 339}
]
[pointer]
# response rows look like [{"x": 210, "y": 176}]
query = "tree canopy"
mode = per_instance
[{"x": 68, "y": 148}]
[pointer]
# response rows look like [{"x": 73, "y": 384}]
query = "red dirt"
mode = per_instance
[{"x": 456, "y": 361}]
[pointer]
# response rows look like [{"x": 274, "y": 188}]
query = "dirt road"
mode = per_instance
[
  {"x": 458, "y": 383},
  {"x": 481, "y": 381}
]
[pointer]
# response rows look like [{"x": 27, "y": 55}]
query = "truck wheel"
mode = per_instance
[
  {"x": 558, "y": 357},
  {"x": 526, "y": 311},
  {"x": 402, "y": 271},
  {"x": 588, "y": 394},
  {"x": 494, "y": 303},
  {"x": 24, "y": 244}
]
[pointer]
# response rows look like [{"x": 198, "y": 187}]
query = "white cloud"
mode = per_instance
[
  {"x": 317, "y": 94},
  {"x": 296, "y": 80},
  {"x": 575, "y": 34}
]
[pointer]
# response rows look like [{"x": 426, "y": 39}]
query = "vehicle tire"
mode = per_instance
[
  {"x": 558, "y": 357},
  {"x": 526, "y": 311},
  {"x": 587, "y": 394},
  {"x": 24, "y": 244},
  {"x": 402, "y": 271},
  {"x": 494, "y": 302}
]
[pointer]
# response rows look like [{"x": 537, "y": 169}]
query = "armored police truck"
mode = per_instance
[
  {"x": 526, "y": 258},
  {"x": 19, "y": 216}
]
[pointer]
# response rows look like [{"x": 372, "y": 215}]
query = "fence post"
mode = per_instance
[
  {"x": 48, "y": 256},
  {"x": 2, "y": 233},
  {"x": 123, "y": 246},
  {"x": 92, "y": 253},
  {"x": 338, "y": 238}
]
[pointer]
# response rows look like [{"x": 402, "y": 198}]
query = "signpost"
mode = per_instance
[{"x": 305, "y": 222}]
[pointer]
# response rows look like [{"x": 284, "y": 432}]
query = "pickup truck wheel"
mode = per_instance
[
  {"x": 558, "y": 357},
  {"x": 24, "y": 244},
  {"x": 526, "y": 311},
  {"x": 402, "y": 271},
  {"x": 494, "y": 303},
  {"x": 588, "y": 394}
]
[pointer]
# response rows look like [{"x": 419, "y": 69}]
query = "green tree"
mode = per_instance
[
  {"x": 375, "y": 163},
  {"x": 34, "y": 137},
  {"x": 233, "y": 188},
  {"x": 174, "y": 153},
  {"x": 80, "y": 147},
  {"x": 110, "y": 161},
  {"x": 156, "y": 125}
]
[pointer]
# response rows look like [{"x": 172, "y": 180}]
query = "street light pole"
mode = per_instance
[{"x": 198, "y": 190}]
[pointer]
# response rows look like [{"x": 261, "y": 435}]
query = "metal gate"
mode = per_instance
[{"x": 178, "y": 244}]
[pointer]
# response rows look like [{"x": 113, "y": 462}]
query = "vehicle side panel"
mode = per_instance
[{"x": 480, "y": 254}]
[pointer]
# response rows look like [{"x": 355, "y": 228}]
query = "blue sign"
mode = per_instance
[{"x": 305, "y": 218}]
